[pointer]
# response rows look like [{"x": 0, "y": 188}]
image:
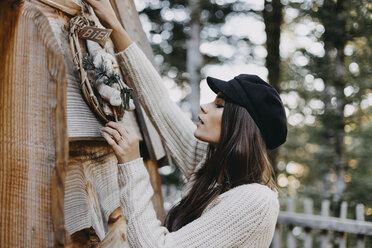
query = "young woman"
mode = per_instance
[{"x": 231, "y": 198}]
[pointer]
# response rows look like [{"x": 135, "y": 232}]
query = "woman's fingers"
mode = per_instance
[
  {"x": 121, "y": 128},
  {"x": 112, "y": 143},
  {"x": 116, "y": 134},
  {"x": 115, "y": 125},
  {"x": 126, "y": 149}
]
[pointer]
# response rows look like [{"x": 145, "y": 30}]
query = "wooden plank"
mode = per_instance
[
  {"x": 324, "y": 222},
  {"x": 117, "y": 234},
  {"x": 32, "y": 151},
  {"x": 325, "y": 235},
  {"x": 308, "y": 209},
  {"x": 360, "y": 217},
  {"x": 340, "y": 238},
  {"x": 127, "y": 14},
  {"x": 34, "y": 142},
  {"x": 291, "y": 240},
  {"x": 140, "y": 115}
]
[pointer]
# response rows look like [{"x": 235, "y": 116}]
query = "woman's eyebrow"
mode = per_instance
[{"x": 221, "y": 97}]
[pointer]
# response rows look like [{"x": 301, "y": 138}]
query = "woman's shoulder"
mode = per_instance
[
  {"x": 254, "y": 195},
  {"x": 254, "y": 189},
  {"x": 250, "y": 202},
  {"x": 247, "y": 197},
  {"x": 256, "y": 201}
]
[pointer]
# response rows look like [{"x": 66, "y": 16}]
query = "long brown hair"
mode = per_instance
[{"x": 240, "y": 158}]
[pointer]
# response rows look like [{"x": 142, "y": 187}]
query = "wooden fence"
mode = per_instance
[{"x": 309, "y": 230}]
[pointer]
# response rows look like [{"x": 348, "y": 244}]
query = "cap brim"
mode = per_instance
[{"x": 217, "y": 85}]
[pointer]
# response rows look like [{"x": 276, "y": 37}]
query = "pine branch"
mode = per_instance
[
  {"x": 101, "y": 71},
  {"x": 88, "y": 62},
  {"x": 113, "y": 78}
]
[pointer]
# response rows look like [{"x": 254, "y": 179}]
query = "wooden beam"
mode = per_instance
[
  {"x": 33, "y": 142},
  {"x": 326, "y": 223},
  {"x": 127, "y": 14}
]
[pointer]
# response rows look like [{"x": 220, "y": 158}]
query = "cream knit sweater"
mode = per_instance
[{"x": 244, "y": 216}]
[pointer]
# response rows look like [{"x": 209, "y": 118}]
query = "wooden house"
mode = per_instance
[{"x": 53, "y": 161}]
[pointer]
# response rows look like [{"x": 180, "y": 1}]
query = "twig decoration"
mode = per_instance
[{"x": 101, "y": 85}]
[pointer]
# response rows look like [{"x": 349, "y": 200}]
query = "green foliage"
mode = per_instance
[
  {"x": 175, "y": 32},
  {"x": 342, "y": 27},
  {"x": 306, "y": 141},
  {"x": 88, "y": 62}
]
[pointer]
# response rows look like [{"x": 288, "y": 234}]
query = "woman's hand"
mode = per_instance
[
  {"x": 107, "y": 16},
  {"x": 123, "y": 141},
  {"x": 105, "y": 13}
]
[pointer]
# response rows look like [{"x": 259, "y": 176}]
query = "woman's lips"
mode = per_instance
[{"x": 201, "y": 121}]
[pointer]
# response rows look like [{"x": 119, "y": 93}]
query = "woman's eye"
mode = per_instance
[{"x": 219, "y": 105}]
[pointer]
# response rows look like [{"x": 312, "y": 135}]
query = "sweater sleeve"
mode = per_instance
[
  {"x": 174, "y": 127},
  {"x": 242, "y": 217}
]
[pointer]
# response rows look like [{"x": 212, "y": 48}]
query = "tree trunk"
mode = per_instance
[
  {"x": 194, "y": 58},
  {"x": 333, "y": 97},
  {"x": 272, "y": 15}
]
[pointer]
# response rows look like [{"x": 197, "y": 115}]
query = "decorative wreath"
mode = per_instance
[{"x": 101, "y": 86}]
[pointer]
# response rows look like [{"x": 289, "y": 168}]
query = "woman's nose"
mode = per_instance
[{"x": 203, "y": 108}]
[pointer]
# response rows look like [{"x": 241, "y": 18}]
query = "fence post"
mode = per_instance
[
  {"x": 308, "y": 209},
  {"x": 291, "y": 240},
  {"x": 360, "y": 216},
  {"x": 324, "y": 236},
  {"x": 340, "y": 239}
]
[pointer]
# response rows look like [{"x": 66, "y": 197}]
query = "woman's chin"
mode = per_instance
[
  {"x": 200, "y": 137},
  {"x": 197, "y": 135}
]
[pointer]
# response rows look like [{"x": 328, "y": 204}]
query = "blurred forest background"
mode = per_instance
[{"x": 316, "y": 53}]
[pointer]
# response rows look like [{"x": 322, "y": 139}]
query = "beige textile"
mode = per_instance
[{"x": 91, "y": 190}]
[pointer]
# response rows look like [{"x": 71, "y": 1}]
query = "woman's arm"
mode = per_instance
[
  {"x": 107, "y": 16},
  {"x": 242, "y": 217},
  {"x": 175, "y": 128}
]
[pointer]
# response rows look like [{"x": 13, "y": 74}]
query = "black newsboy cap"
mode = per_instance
[{"x": 261, "y": 101}]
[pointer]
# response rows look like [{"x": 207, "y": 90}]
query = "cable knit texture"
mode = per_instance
[{"x": 244, "y": 216}]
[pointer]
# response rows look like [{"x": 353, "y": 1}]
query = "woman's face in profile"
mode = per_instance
[{"x": 210, "y": 119}]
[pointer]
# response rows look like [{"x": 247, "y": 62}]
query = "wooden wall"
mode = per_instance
[
  {"x": 37, "y": 149},
  {"x": 33, "y": 138}
]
